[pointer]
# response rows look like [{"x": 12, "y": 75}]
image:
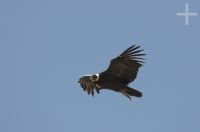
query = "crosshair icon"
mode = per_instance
[{"x": 186, "y": 14}]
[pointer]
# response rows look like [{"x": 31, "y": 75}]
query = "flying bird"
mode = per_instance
[{"x": 122, "y": 70}]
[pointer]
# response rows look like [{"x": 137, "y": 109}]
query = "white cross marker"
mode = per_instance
[{"x": 186, "y": 14}]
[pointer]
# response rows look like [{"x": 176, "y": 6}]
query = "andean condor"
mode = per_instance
[{"x": 122, "y": 70}]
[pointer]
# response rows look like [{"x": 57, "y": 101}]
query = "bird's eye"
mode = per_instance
[{"x": 94, "y": 77}]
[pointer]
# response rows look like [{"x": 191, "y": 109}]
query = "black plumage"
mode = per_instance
[{"x": 122, "y": 70}]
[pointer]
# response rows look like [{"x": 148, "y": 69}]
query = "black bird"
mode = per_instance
[{"x": 122, "y": 70}]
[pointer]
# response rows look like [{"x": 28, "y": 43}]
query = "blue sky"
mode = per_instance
[{"x": 46, "y": 45}]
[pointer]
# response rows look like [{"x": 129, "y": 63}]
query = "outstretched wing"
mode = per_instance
[
  {"x": 124, "y": 68},
  {"x": 88, "y": 85}
]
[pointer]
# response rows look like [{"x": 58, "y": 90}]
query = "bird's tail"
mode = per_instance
[{"x": 127, "y": 91}]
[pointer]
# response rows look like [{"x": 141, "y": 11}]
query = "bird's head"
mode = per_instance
[{"x": 94, "y": 77}]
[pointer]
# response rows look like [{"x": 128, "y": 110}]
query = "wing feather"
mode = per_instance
[
  {"x": 124, "y": 68},
  {"x": 88, "y": 85},
  {"x": 130, "y": 49}
]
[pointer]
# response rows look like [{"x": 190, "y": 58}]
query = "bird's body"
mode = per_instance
[{"x": 121, "y": 71}]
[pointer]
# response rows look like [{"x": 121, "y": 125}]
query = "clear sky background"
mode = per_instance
[{"x": 46, "y": 45}]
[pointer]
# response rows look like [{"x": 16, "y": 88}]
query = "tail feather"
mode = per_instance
[{"x": 127, "y": 91}]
